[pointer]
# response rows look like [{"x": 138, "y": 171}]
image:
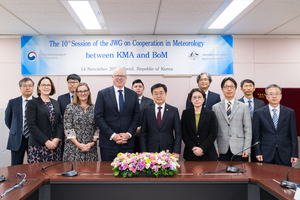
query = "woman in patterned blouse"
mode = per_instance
[
  {"x": 45, "y": 124},
  {"x": 81, "y": 131}
]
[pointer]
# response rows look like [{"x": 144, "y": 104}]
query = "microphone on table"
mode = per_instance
[
  {"x": 235, "y": 169},
  {"x": 289, "y": 184},
  {"x": 70, "y": 173}
]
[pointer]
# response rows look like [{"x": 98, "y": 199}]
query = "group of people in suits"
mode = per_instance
[{"x": 129, "y": 122}]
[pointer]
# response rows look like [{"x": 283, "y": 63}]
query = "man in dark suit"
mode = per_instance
[
  {"x": 15, "y": 121},
  {"x": 139, "y": 88},
  {"x": 274, "y": 126},
  {"x": 248, "y": 88},
  {"x": 204, "y": 80},
  {"x": 117, "y": 114},
  {"x": 160, "y": 120},
  {"x": 65, "y": 99}
]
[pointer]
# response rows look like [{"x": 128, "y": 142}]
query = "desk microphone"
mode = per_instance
[
  {"x": 71, "y": 172},
  {"x": 235, "y": 169},
  {"x": 288, "y": 184}
]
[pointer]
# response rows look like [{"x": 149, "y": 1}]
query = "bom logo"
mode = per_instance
[{"x": 31, "y": 56}]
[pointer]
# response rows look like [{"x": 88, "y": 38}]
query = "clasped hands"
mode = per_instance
[
  {"x": 197, "y": 151},
  {"x": 121, "y": 138},
  {"x": 86, "y": 147},
  {"x": 52, "y": 144}
]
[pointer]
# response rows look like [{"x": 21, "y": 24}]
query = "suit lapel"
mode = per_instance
[
  {"x": 223, "y": 110},
  {"x": 281, "y": 116},
  {"x": 268, "y": 116},
  {"x": 112, "y": 96},
  {"x": 191, "y": 115},
  {"x": 234, "y": 109},
  {"x": 153, "y": 116},
  {"x": 42, "y": 104},
  {"x": 142, "y": 103},
  {"x": 201, "y": 120},
  {"x": 165, "y": 115}
]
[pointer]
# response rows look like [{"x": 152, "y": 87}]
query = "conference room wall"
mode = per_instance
[{"x": 264, "y": 60}]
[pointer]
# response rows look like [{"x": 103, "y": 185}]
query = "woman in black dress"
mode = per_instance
[
  {"x": 45, "y": 125},
  {"x": 199, "y": 129}
]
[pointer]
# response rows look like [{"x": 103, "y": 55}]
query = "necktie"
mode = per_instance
[
  {"x": 275, "y": 118},
  {"x": 72, "y": 96},
  {"x": 228, "y": 110},
  {"x": 121, "y": 101},
  {"x": 159, "y": 116},
  {"x": 250, "y": 108},
  {"x": 25, "y": 128}
]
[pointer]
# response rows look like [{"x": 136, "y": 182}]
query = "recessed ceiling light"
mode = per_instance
[{"x": 233, "y": 10}]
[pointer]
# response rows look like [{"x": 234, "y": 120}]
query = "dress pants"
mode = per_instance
[
  {"x": 228, "y": 155},
  {"x": 108, "y": 154},
  {"x": 17, "y": 157}
]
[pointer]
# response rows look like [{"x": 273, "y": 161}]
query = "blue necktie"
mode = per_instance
[
  {"x": 121, "y": 101},
  {"x": 250, "y": 108},
  {"x": 275, "y": 118}
]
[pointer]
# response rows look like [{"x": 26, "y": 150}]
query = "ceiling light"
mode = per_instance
[
  {"x": 87, "y": 14},
  {"x": 233, "y": 10}
]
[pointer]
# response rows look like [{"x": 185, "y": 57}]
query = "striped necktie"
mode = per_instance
[
  {"x": 250, "y": 108},
  {"x": 121, "y": 101},
  {"x": 228, "y": 110},
  {"x": 25, "y": 127},
  {"x": 275, "y": 118}
]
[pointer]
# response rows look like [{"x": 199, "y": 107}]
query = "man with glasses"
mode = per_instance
[
  {"x": 15, "y": 120},
  {"x": 274, "y": 125},
  {"x": 65, "y": 99},
  {"x": 161, "y": 127},
  {"x": 248, "y": 88},
  {"x": 234, "y": 124},
  {"x": 204, "y": 80},
  {"x": 117, "y": 114}
]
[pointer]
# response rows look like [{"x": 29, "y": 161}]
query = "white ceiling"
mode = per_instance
[{"x": 49, "y": 17}]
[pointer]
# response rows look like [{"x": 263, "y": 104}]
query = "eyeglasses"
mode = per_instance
[
  {"x": 197, "y": 98},
  {"x": 83, "y": 92},
  {"x": 274, "y": 94},
  {"x": 26, "y": 85},
  {"x": 229, "y": 86},
  {"x": 248, "y": 86},
  {"x": 120, "y": 76},
  {"x": 73, "y": 82},
  {"x": 203, "y": 80},
  {"x": 159, "y": 94},
  {"x": 45, "y": 85}
]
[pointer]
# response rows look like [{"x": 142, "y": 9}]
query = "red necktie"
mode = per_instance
[{"x": 159, "y": 116}]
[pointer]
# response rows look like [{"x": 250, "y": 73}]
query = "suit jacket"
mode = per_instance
[
  {"x": 63, "y": 101},
  {"x": 109, "y": 120},
  {"x": 284, "y": 138},
  {"x": 212, "y": 99},
  {"x": 235, "y": 133},
  {"x": 14, "y": 122},
  {"x": 38, "y": 121},
  {"x": 203, "y": 138},
  {"x": 144, "y": 104},
  {"x": 257, "y": 103},
  {"x": 151, "y": 135}
]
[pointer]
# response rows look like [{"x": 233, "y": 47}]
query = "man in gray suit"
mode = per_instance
[
  {"x": 234, "y": 124},
  {"x": 248, "y": 88},
  {"x": 139, "y": 88}
]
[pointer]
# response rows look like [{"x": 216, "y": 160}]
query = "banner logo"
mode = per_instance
[{"x": 32, "y": 56}]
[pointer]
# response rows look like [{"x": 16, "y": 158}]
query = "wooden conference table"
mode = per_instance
[{"x": 96, "y": 181}]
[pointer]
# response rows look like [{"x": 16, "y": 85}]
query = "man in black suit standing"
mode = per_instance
[
  {"x": 274, "y": 125},
  {"x": 16, "y": 122},
  {"x": 204, "y": 80},
  {"x": 248, "y": 88},
  {"x": 65, "y": 99},
  {"x": 117, "y": 114},
  {"x": 139, "y": 88},
  {"x": 160, "y": 120}
]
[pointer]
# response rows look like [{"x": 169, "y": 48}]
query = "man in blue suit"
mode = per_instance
[
  {"x": 65, "y": 99},
  {"x": 204, "y": 80},
  {"x": 117, "y": 114},
  {"x": 274, "y": 126},
  {"x": 16, "y": 122}
]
